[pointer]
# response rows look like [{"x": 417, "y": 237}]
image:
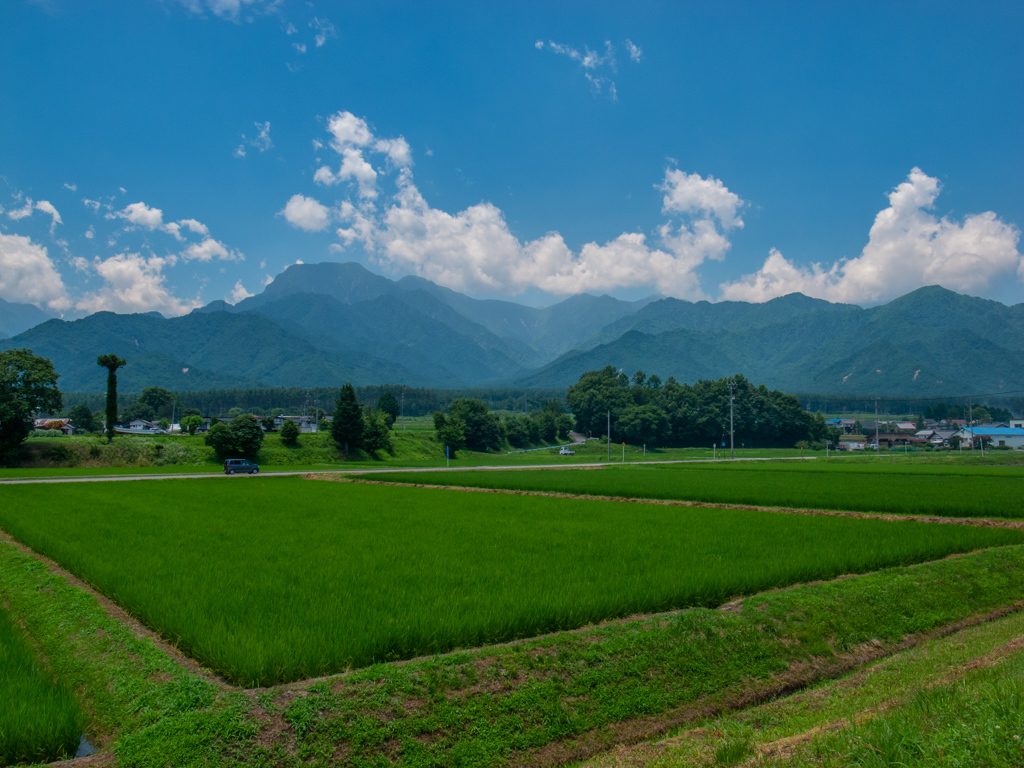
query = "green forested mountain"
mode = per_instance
[
  {"x": 198, "y": 351},
  {"x": 929, "y": 342},
  {"x": 324, "y": 324}
]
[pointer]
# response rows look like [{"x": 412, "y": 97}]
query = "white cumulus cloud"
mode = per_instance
[
  {"x": 347, "y": 129},
  {"x": 306, "y": 213},
  {"x": 475, "y": 250},
  {"x": 28, "y": 275},
  {"x": 140, "y": 215},
  {"x": 353, "y": 166},
  {"x": 133, "y": 283},
  {"x": 209, "y": 249},
  {"x": 238, "y": 293},
  {"x": 908, "y": 246}
]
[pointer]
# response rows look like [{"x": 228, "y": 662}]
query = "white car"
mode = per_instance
[{"x": 566, "y": 451}]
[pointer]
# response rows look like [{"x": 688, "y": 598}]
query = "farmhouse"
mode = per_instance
[
  {"x": 1001, "y": 437},
  {"x": 64, "y": 425}
]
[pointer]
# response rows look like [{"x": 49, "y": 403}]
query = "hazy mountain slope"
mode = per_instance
[
  {"x": 670, "y": 314},
  {"x": 397, "y": 330},
  {"x": 218, "y": 349},
  {"x": 16, "y": 318},
  {"x": 549, "y": 331}
]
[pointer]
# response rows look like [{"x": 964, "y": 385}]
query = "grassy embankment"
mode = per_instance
[
  {"x": 956, "y": 700},
  {"x": 39, "y": 719},
  {"x": 288, "y": 578},
  {"x": 967, "y": 491}
]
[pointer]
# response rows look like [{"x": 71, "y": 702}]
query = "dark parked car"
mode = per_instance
[{"x": 231, "y": 466}]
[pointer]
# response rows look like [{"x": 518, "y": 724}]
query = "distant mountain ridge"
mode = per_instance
[
  {"x": 324, "y": 324},
  {"x": 16, "y": 318}
]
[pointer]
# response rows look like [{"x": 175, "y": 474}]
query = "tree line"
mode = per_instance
[{"x": 646, "y": 411}]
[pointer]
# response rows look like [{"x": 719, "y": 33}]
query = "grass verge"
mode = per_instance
[
  {"x": 289, "y": 579},
  {"x": 39, "y": 719}
]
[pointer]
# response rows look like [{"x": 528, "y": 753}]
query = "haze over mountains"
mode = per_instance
[{"x": 325, "y": 324}]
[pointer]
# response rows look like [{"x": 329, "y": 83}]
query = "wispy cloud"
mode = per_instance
[
  {"x": 324, "y": 30},
  {"x": 597, "y": 67},
  {"x": 261, "y": 141}
]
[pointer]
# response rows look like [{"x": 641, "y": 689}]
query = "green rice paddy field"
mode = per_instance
[
  {"x": 960, "y": 491},
  {"x": 268, "y": 580},
  {"x": 39, "y": 720}
]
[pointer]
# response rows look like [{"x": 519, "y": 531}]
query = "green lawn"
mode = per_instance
[
  {"x": 39, "y": 720},
  {"x": 275, "y": 579},
  {"x": 965, "y": 491}
]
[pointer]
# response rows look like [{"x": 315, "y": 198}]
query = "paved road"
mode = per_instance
[{"x": 391, "y": 470}]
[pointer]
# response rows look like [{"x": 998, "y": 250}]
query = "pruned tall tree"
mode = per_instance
[{"x": 111, "y": 363}]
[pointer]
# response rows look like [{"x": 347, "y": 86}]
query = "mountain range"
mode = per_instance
[{"x": 325, "y": 324}]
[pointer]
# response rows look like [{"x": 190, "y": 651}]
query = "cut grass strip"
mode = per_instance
[
  {"x": 987, "y": 492},
  {"x": 39, "y": 718},
  {"x": 276, "y": 579}
]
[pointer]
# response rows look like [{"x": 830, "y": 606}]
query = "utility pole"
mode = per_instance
[
  {"x": 732, "y": 388},
  {"x": 403, "y": 409},
  {"x": 877, "y": 448},
  {"x": 970, "y": 421},
  {"x": 609, "y": 435}
]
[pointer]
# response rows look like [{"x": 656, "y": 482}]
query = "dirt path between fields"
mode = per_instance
[{"x": 983, "y": 522}]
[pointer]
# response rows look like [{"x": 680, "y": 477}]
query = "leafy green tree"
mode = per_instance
[
  {"x": 111, "y": 363},
  {"x": 82, "y": 418},
  {"x": 157, "y": 398},
  {"x": 388, "y": 404},
  {"x": 137, "y": 410},
  {"x": 191, "y": 423},
  {"x": 28, "y": 384},
  {"x": 247, "y": 434},
  {"x": 289, "y": 432},
  {"x": 517, "y": 431},
  {"x": 547, "y": 426},
  {"x": 219, "y": 438},
  {"x": 451, "y": 432},
  {"x": 191, "y": 412},
  {"x": 243, "y": 437},
  {"x": 377, "y": 432},
  {"x": 482, "y": 430},
  {"x": 644, "y": 425},
  {"x": 596, "y": 393},
  {"x": 347, "y": 427}
]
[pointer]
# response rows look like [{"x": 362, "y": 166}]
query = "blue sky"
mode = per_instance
[{"x": 161, "y": 155}]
